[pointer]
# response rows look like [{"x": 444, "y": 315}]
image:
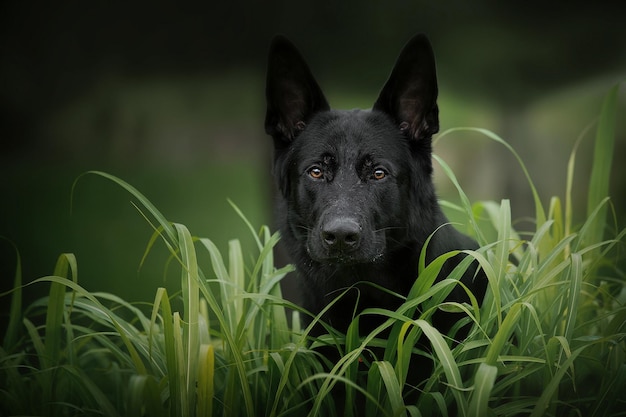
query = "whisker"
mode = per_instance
[{"x": 383, "y": 229}]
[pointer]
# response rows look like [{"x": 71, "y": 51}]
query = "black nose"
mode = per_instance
[{"x": 340, "y": 234}]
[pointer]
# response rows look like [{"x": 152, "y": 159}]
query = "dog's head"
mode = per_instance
[{"x": 355, "y": 183}]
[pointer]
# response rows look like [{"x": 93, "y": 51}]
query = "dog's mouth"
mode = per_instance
[
  {"x": 347, "y": 260},
  {"x": 344, "y": 258}
]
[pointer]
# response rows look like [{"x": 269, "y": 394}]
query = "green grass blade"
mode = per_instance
[
  {"x": 237, "y": 279},
  {"x": 569, "y": 206},
  {"x": 279, "y": 337},
  {"x": 449, "y": 365},
  {"x": 393, "y": 388},
  {"x": 602, "y": 158},
  {"x": 35, "y": 339},
  {"x": 589, "y": 230},
  {"x": 352, "y": 343},
  {"x": 484, "y": 381},
  {"x": 406, "y": 341},
  {"x": 206, "y": 386},
  {"x": 503, "y": 335},
  {"x": 265, "y": 262},
  {"x": 492, "y": 277},
  {"x": 162, "y": 301},
  {"x": 183, "y": 406},
  {"x": 191, "y": 302},
  {"x": 227, "y": 292},
  {"x": 429, "y": 274},
  {"x": 56, "y": 307},
  {"x": 555, "y": 213},
  {"x": 374, "y": 390},
  {"x": 504, "y": 236},
  {"x": 575, "y": 278}
]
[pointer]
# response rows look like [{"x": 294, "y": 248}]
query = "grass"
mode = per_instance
[{"x": 549, "y": 338}]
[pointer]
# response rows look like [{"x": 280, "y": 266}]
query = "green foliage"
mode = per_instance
[{"x": 548, "y": 339}]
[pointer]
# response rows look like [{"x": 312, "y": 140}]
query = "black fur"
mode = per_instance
[{"x": 357, "y": 197}]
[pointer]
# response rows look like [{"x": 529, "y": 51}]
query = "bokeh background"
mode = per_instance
[{"x": 170, "y": 97}]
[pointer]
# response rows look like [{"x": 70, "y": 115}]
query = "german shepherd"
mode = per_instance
[{"x": 357, "y": 201}]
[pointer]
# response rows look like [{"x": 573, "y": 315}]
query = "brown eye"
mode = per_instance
[
  {"x": 379, "y": 174},
  {"x": 316, "y": 173}
]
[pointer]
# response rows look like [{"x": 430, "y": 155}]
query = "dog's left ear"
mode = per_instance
[
  {"x": 292, "y": 93},
  {"x": 410, "y": 94}
]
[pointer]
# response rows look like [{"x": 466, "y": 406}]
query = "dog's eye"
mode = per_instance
[
  {"x": 379, "y": 174},
  {"x": 316, "y": 173}
]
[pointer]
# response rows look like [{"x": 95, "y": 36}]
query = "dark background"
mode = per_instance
[{"x": 169, "y": 97}]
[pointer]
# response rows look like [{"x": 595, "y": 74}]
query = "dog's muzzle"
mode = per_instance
[{"x": 341, "y": 235}]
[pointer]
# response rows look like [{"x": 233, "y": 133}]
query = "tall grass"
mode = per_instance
[{"x": 548, "y": 339}]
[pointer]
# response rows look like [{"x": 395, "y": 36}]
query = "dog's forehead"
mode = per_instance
[{"x": 352, "y": 134}]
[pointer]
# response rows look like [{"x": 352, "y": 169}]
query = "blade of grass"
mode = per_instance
[
  {"x": 191, "y": 302},
  {"x": 502, "y": 247},
  {"x": 484, "y": 380},
  {"x": 393, "y": 388},
  {"x": 236, "y": 274},
  {"x": 588, "y": 232},
  {"x": 503, "y": 335},
  {"x": 569, "y": 207},
  {"x": 206, "y": 372},
  {"x": 375, "y": 390},
  {"x": 56, "y": 306},
  {"x": 555, "y": 213},
  {"x": 280, "y": 335},
  {"x": 35, "y": 338},
  {"x": 352, "y": 343},
  {"x": 601, "y": 168},
  {"x": 575, "y": 278},
  {"x": 162, "y": 301},
  {"x": 450, "y": 367},
  {"x": 183, "y": 406}
]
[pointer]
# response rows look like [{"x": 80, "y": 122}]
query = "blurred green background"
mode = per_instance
[{"x": 170, "y": 97}]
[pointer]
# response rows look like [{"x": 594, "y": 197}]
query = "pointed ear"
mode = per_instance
[
  {"x": 292, "y": 93},
  {"x": 410, "y": 95}
]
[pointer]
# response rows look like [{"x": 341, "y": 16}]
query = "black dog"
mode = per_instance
[{"x": 358, "y": 201}]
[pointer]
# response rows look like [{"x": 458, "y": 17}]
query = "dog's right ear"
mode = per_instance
[
  {"x": 410, "y": 94},
  {"x": 292, "y": 94}
]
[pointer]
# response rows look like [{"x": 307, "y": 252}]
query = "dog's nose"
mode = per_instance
[{"x": 341, "y": 234}]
